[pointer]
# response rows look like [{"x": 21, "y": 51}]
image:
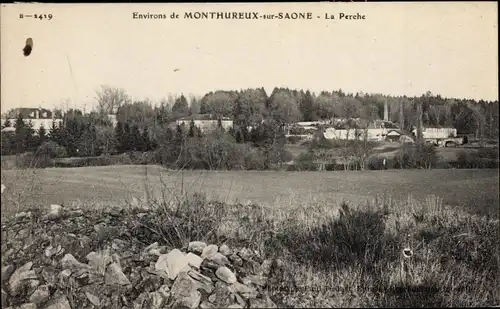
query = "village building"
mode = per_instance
[
  {"x": 38, "y": 117},
  {"x": 206, "y": 122},
  {"x": 399, "y": 136},
  {"x": 375, "y": 130}
]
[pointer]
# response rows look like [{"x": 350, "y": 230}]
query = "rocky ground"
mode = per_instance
[{"x": 62, "y": 259}]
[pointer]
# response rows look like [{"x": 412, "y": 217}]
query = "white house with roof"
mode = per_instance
[
  {"x": 38, "y": 117},
  {"x": 206, "y": 122}
]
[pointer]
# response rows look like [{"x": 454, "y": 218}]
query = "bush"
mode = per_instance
[
  {"x": 30, "y": 160},
  {"x": 488, "y": 153},
  {"x": 475, "y": 160},
  {"x": 293, "y": 139},
  {"x": 51, "y": 149},
  {"x": 141, "y": 158},
  {"x": 252, "y": 158},
  {"x": 305, "y": 162},
  {"x": 356, "y": 236},
  {"x": 416, "y": 156},
  {"x": 375, "y": 163},
  {"x": 179, "y": 222}
]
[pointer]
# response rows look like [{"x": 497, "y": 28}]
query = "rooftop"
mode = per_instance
[{"x": 204, "y": 117}]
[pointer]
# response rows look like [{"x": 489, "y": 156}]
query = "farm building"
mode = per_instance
[
  {"x": 38, "y": 117},
  {"x": 311, "y": 123},
  {"x": 376, "y": 131},
  {"x": 437, "y": 132},
  {"x": 206, "y": 122},
  {"x": 375, "y": 134},
  {"x": 400, "y": 136}
]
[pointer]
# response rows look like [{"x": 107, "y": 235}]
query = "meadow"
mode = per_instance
[
  {"x": 392, "y": 238},
  {"x": 475, "y": 190}
]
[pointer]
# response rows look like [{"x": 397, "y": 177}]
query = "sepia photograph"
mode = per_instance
[{"x": 249, "y": 155}]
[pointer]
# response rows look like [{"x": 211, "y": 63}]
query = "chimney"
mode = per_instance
[{"x": 386, "y": 111}]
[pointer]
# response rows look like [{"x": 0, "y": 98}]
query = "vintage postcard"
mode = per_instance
[{"x": 250, "y": 155}]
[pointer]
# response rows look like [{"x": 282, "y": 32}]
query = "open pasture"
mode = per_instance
[{"x": 476, "y": 190}]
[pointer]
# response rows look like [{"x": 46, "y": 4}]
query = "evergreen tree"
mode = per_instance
[
  {"x": 119, "y": 137},
  {"x": 55, "y": 133},
  {"x": 307, "y": 107},
  {"x": 42, "y": 135},
  {"x": 180, "y": 107},
  {"x": 126, "y": 141},
  {"x": 31, "y": 140},
  {"x": 136, "y": 141},
  {"x": 146, "y": 139},
  {"x": 169, "y": 136},
  {"x": 70, "y": 136},
  {"x": 192, "y": 128},
  {"x": 87, "y": 143},
  {"x": 20, "y": 134}
]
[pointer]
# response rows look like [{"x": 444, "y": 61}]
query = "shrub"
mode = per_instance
[
  {"x": 305, "y": 162},
  {"x": 51, "y": 149},
  {"x": 294, "y": 139},
  {"x": 141, "y": 158},
  {"x": 375, "y": 163},
  {"x": 30, "y": 160},
  {"x": 488, "y": 153},
  {"x": 177, "y": 222},
  {"x": 252, "y": 158},
  {"x": 476, "y": 160},
  {"x": 356, "y": 236},
  {"x": 416, "y": 156}
]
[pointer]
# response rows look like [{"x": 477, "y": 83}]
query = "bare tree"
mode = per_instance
[
  {"x": 447, "y": 112},
  {"x": 479, "y": 117},
  {"x": 401, "y": 116},
  {"x": 436, "y": 112},
  {"x": 109, "y": 99},
  {"x": 419, "y": 135}
]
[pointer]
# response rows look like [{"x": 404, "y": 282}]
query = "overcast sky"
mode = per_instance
[{"x": 449, "y": 48}]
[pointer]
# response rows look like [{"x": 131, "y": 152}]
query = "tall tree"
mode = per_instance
[
  {"x": 119, "y": 138},
  {"x": 138, "y": 112},
  {"x": 219, "y": 103},
  {"x": 42, "y": 135},
  {"x": 180, "y": 107},
  {"x": 109, "y": 99},
  {"x": 21, "y": 134},
  {"x": 192, "y": 128},
  {"x": 146, "y": 139},
  {"x": 307, "y": 107},
  {"x": 194, "y": 106},
  {"x": 127, "y": 138},
  {"x": 136, "y": 141},
  {"x": 283, "y": 107},
  {"x": 250, "y": 108}
]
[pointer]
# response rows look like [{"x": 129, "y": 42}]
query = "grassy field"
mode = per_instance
[
  {"x": 330, "y": 256},
  {"x": 476, "y": 190}
]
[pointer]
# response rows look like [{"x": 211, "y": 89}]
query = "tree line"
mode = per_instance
[
  {"x": 249, "y": 107},
  {"x": 143, "y": 126},
  {"x": 176, "y": 146}
]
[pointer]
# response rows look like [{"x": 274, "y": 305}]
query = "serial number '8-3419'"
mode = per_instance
[{"x": 37, "y": 16}]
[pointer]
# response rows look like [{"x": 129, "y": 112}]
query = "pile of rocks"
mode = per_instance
[{"x": 55, "y": 264}]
